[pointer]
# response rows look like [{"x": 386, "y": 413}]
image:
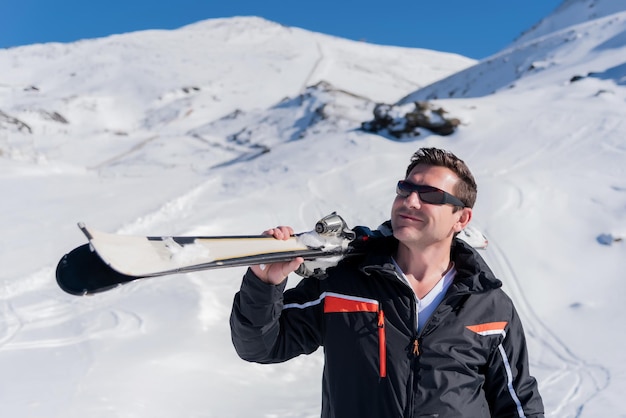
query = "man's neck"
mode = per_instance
[{"x": 423, "y": 267}]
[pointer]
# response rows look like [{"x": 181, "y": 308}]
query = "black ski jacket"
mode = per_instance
[{"x": 469, "y": 360}]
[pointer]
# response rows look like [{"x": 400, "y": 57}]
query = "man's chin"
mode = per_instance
[{"x": 403, "y": 233}]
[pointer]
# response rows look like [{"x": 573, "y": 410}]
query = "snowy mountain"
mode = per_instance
[
  {"x": 229, "y": 126},
  {"x": 579, "y": 46},
  {"x": 571, "y": 13}
]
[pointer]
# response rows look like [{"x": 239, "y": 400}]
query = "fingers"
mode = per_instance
[
  {"x": 280, "y": 232},
  {"x": 276, "y": 273}
]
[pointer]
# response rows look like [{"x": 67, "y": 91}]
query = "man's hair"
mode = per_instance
[{"x": 466, "y": 188}]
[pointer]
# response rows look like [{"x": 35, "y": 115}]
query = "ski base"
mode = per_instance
[{"x": 81, "y": 272}]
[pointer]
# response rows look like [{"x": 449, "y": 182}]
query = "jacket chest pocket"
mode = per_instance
[{"x": 354, "y": 322}]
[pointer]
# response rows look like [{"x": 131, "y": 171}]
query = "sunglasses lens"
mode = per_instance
[
  {"x": 403, "y": 189},
  {"x": 435, "y": 197},
  {"x": 426, "y": 194}
]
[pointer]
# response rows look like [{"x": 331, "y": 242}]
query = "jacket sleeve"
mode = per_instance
[
  {"x": 269, "y": 326},
  {"x": 510, "y": 389}
]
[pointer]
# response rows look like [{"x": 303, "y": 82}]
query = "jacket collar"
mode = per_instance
[{"x": 473, "y": 275}]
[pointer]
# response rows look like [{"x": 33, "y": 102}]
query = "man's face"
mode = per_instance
[{"x": 416, "y": 223}]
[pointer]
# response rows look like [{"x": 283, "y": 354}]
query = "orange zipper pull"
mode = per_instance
[{"x": 416, "y": 347}]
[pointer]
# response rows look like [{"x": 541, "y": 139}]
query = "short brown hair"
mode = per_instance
[{"x": 466, "y": 188}]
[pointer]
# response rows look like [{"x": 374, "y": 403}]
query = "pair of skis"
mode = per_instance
[{"x": 111, "y": 260}]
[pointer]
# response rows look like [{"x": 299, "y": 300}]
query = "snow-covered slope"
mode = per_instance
[
  {"x": 571, "y": 13},
  {"x": 229, "y": 126},
  {"x": 589, "y": 45}
]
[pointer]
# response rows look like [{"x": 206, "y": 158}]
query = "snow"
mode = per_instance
[{"x": 231, "y": 126}]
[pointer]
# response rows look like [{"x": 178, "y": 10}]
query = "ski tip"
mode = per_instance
[
  {"x": 83, "y": 228},
  {"x": 81, "y": 272},
  {"x": 474, "y": 237}
]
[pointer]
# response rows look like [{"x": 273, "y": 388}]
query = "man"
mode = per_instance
[{"x": 418, "y": 327}]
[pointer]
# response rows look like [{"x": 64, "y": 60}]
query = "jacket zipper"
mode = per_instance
[
  {"x": 418, "y": 335},
  {"x": 415, "y": 349},
  {"x": 382, "y": 344}
]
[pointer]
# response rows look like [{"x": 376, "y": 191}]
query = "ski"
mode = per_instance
[{"x": 110, "y": 260}]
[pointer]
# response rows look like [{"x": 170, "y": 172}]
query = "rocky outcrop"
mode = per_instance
[{"x": 398, "y": 122}]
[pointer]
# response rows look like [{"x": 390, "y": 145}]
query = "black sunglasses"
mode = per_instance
[{"x": 427, "y": 194}]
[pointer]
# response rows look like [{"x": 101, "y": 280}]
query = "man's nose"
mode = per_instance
[{"x": 413, "y": 200}]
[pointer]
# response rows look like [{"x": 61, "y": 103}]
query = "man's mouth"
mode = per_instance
[{"x": 409, "y": 217}]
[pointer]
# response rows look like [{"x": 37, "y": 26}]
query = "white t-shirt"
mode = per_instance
[{"x": 427, "y": 305}]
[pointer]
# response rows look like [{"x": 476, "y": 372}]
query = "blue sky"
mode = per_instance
[{"x": 472, "y": 28}]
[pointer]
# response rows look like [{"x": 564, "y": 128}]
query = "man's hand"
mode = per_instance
[{"x": 275, "y": 273}]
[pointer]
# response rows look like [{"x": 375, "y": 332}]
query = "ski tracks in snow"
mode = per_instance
[
  {"x": 171, "y": 214},
  {"x": 567, "y": 382},
  {"x": 35, "y": 315}
]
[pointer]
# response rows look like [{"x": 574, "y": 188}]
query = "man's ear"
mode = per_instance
[{"x": 464, "y": 218}]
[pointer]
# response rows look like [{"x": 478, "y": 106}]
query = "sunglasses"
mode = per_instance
[{"x": 427, "y": 194}]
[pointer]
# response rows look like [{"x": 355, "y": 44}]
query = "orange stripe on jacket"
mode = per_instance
[
  {"x": 338, "y": 304},
  {"x": 488, "y": 328}
]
